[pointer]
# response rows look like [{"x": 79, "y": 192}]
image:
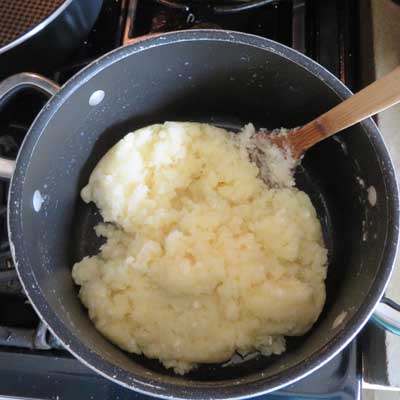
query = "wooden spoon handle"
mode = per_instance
[{"x": 376, "y": 97}]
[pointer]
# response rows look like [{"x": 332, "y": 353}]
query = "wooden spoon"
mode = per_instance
[{"x": 376, "y": 97}]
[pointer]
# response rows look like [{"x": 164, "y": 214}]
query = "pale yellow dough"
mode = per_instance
[{"x": 202, "y": 259}]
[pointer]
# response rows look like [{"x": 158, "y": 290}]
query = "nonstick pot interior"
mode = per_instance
[{"x": 224, "y": 79}]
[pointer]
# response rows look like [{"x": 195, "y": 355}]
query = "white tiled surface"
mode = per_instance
[
  {"x": 380, "y": 395},
  {"x": 386, "y": 56},
  {"x": 386, "y": 26}
]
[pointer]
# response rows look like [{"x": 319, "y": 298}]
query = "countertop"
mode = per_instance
[{"x": 380, "y": 36}]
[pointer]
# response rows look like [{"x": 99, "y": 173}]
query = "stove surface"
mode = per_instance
[
  {"x": 58, "y": 376},
  {"x": 32, "y": 362}
]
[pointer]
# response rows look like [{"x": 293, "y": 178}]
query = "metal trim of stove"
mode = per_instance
[{"x": 62, "y": 377}]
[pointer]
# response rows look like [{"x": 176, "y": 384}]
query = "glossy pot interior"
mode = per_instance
[{"x": 228, "y": 79}]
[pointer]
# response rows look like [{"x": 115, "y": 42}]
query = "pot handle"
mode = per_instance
[
  {"x": 387, "y": 315},
  {"x": 9, "y": 87}
]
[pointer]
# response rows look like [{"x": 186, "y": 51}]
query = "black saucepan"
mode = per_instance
[
  {"x": 37, "y": 34},
  {"x": 224, "y": 78}
]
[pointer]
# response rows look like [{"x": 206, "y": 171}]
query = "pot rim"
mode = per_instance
[{"x": 193, "y": 389}]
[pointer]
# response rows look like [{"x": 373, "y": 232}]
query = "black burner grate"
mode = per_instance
[{"x": 215, "y": 6}]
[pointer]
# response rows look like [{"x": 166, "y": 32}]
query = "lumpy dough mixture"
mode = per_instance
[{"x": 202, "y": 258}]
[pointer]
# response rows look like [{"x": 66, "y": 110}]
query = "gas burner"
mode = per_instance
[
  {"x": 215, "y": 7},
  {"x": 275, "y": 21},
  {"x": 206, "y": 25}
]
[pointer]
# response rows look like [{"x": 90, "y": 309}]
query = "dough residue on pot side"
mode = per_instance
[{"x": 202, "y": 259}]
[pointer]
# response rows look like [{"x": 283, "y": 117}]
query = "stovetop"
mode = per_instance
[{"x": 32, "y": 362}]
